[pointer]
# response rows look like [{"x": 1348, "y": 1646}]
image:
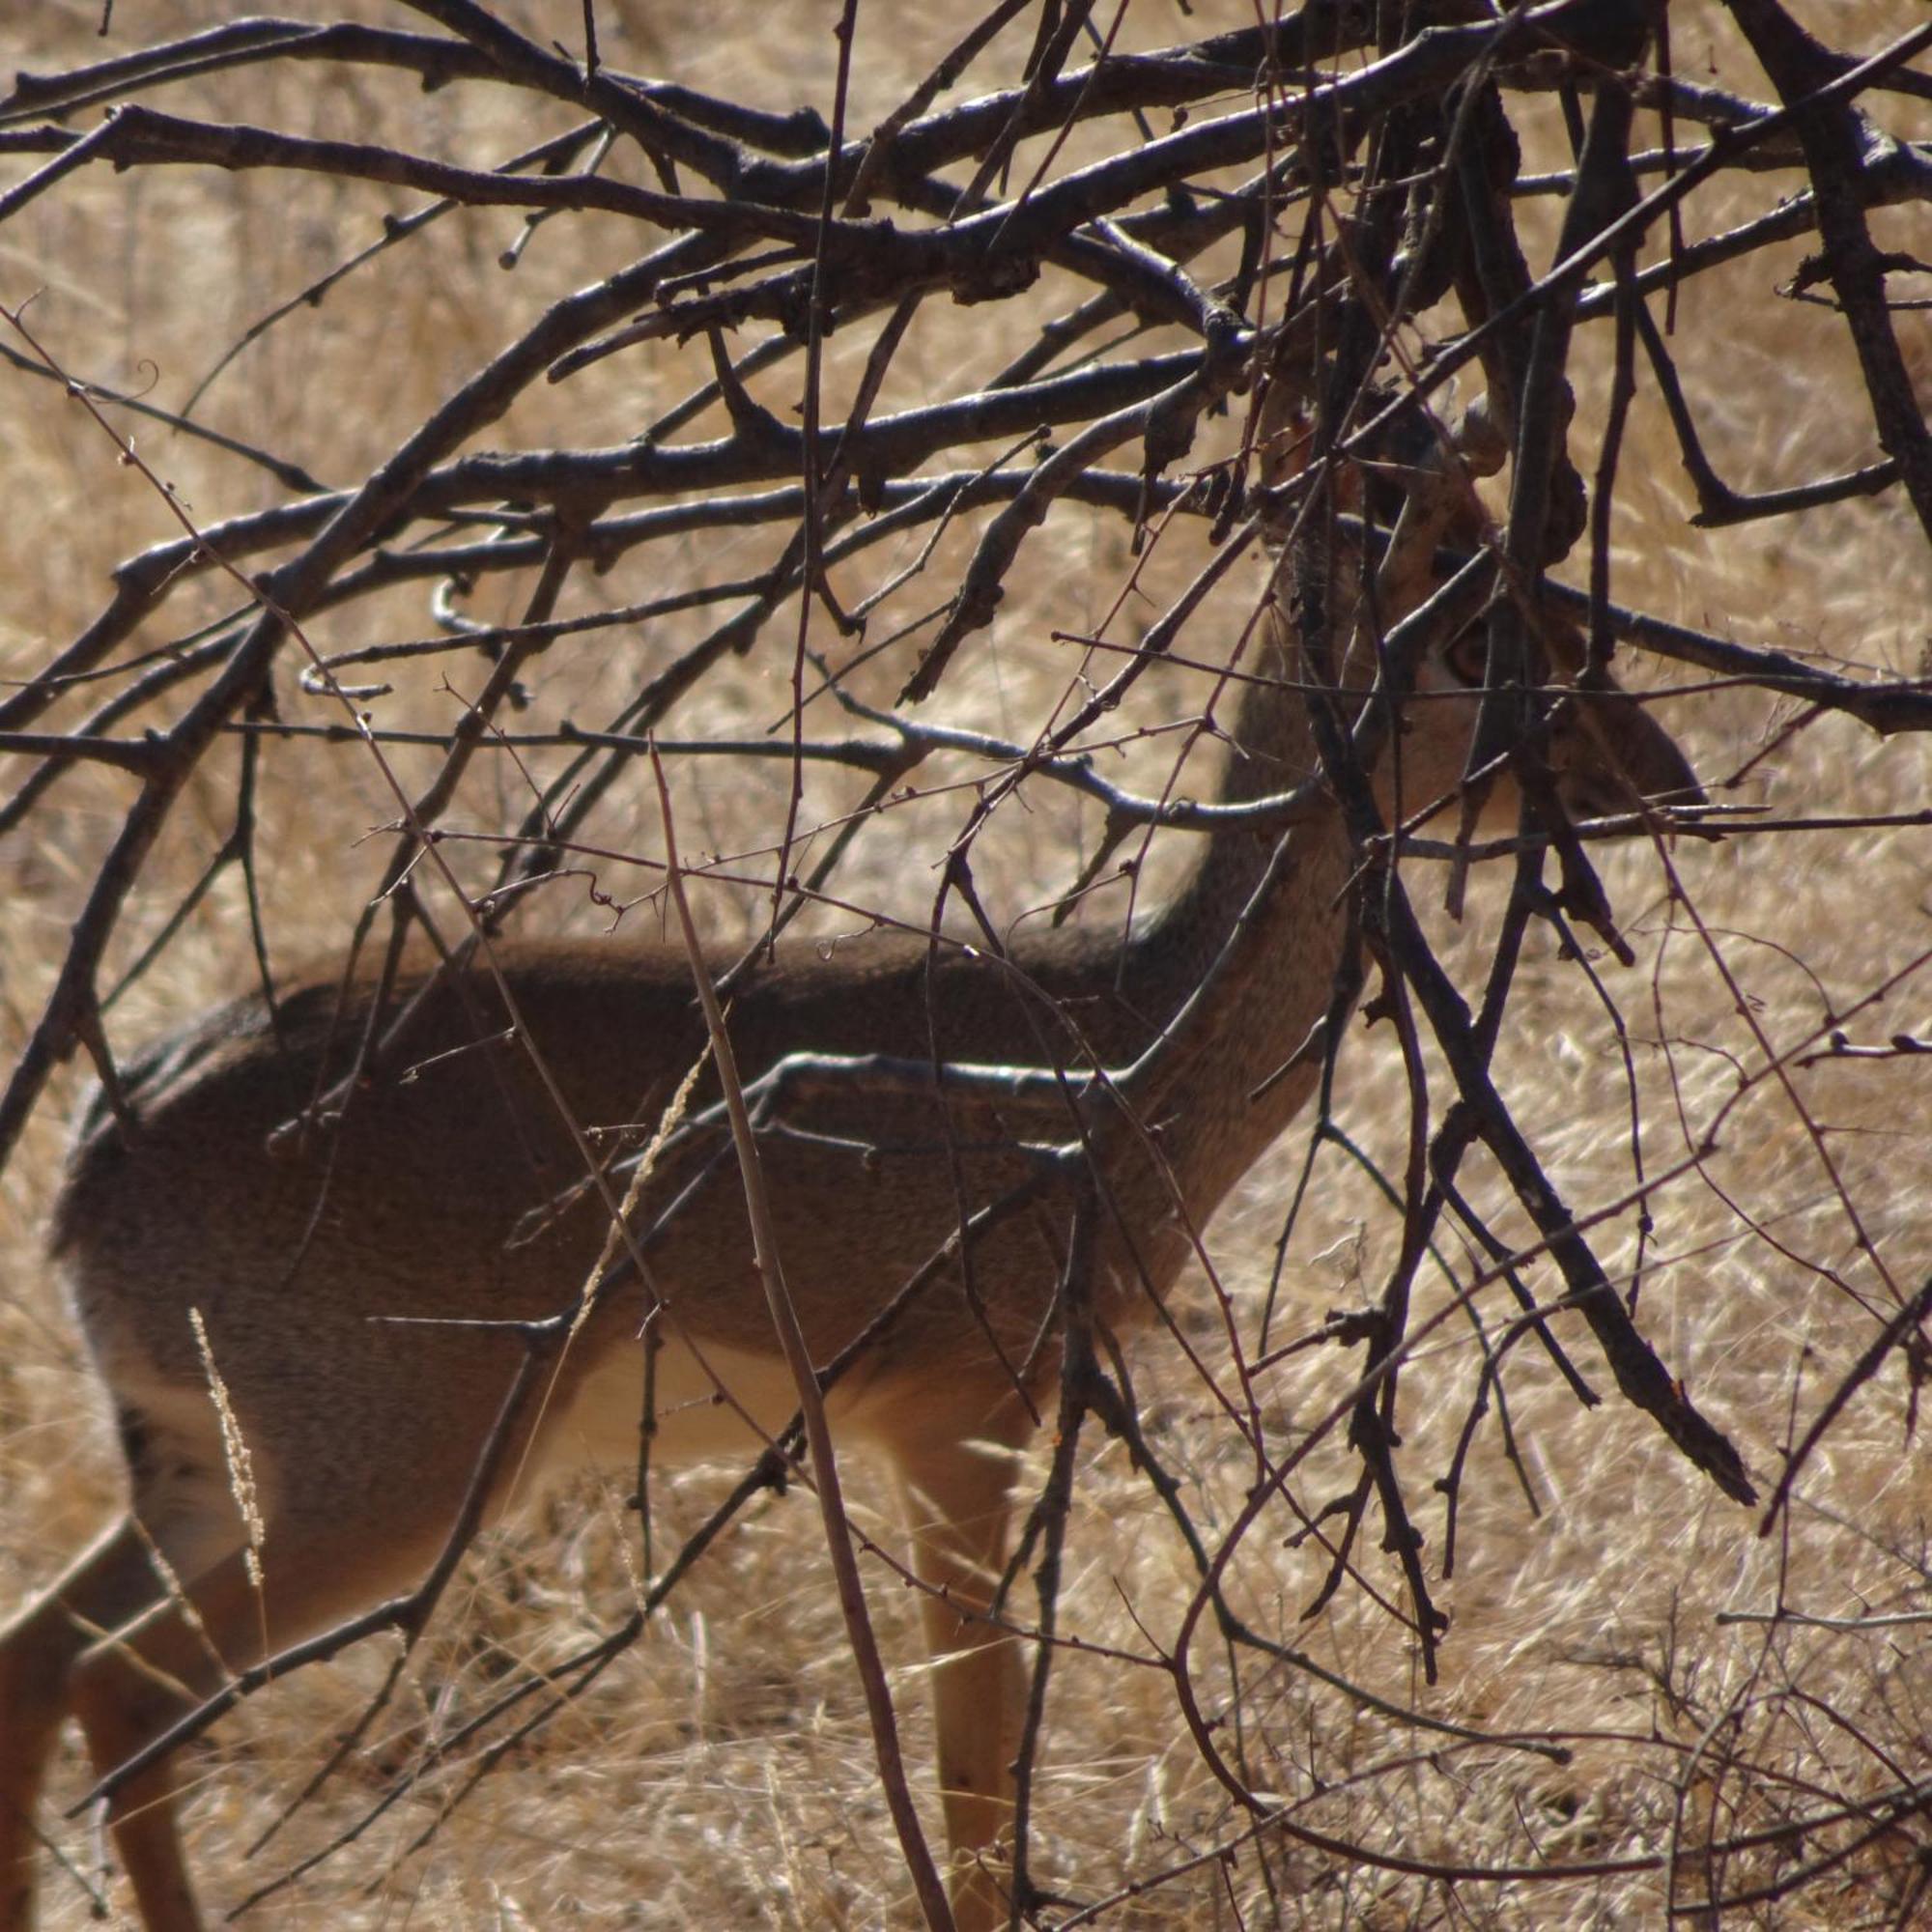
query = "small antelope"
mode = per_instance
[{"x": 443, "y": 1193}]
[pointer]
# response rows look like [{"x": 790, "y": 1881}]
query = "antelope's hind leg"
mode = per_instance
[
  {"x": 139, "y": 1629},
  {"x": 105, "y": 1588},
  {"x": 59, "y": 1655},
  {"x": 111, "y": 1643},
  {"x": 129, "y": 1646}
]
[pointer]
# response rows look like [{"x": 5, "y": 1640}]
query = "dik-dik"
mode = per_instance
[{"x": 444, "y": 1192}]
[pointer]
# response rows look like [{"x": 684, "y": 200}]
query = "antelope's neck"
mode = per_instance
[{"x": 1245, "y": 983}]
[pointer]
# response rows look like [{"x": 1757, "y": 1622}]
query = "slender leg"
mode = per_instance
[
  {"x": 127, "y": 1688},
  {"x": 157, "y": 1662},
  {"x": 956, "y": 1509},
  {"x": 320, "y": 1567},
  {"x": 109, "y": 1583}
]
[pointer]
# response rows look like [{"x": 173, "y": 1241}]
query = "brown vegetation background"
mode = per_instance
[{"x": 722, "y": 1774}]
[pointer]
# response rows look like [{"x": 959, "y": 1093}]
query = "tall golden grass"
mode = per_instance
[{"x": 721, "y": 1773}]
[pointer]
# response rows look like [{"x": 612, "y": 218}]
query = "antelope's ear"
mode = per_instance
[{"x": 1618, "y": 752}]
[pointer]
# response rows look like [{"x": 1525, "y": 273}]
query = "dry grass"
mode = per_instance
[{"x": 721, "y": 1773}]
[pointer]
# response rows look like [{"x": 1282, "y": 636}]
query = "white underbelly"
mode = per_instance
[{"x": 709, "y": 1404}]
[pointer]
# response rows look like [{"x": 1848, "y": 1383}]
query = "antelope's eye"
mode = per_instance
[{"x": 1467, "y": 653}]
